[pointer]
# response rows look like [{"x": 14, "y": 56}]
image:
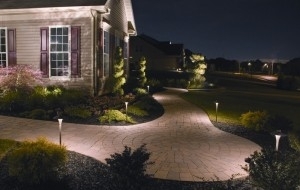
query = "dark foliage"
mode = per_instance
[
  {"x": 274, "y": 170},
  {"x": 128, "y": 168}
]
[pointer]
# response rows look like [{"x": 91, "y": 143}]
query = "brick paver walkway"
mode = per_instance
[{"x": 184, "y": 144}]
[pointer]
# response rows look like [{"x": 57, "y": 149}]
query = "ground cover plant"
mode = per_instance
[{"x": 22, "y": 94}]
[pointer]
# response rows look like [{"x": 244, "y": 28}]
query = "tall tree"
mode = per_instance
[{"x": 198, "y": 68}]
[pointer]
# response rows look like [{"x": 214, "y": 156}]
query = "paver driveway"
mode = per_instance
[{"x": 184, "y": 144}]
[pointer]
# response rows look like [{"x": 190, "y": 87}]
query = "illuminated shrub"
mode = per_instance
[
  {"x": 118, "y": 74},
  {"x": 77, "y": 112},
  {"x": 140, "y": 92},
  {"x": 254, "y": 120},
  {"x": 35, "y": 162},
  {"x": 147, "y": 103},
  {"x": 294, "y": 139},
  {"x": 135, "y": 110},
  {"x": 114, "y": 115},
  {"x": 142, "y": 79},
  {"x": 12, "y": 101},
  {"x": 155, "y": 85},
  {"x": 128, "y": 168},
  {"x": 19, "y": 78},
  {"x": 270, "y": 169},
  {"x": 5, "y": 146},
  {"x": 36, "y": 114}
]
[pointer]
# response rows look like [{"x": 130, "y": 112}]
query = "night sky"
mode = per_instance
[{"x": 232, "y": 29}]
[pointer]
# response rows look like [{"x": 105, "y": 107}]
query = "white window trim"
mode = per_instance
[
  {"x": 6, "y": 45},
  {"x": 69, "y": 54}
]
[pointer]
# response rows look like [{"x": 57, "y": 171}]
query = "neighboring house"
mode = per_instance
[
  {"x": 160, "y": 56},
  {"x": 72, "y": 42}
]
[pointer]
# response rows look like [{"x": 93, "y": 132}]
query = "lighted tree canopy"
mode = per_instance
[{"x": 197, "y": 67}]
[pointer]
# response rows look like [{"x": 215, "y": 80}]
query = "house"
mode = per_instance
[
  {"x": 160, "y": 55},
  {"x": 72, "y": 42}
]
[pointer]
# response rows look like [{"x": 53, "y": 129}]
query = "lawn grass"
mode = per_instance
[
  {"x": 234, "y": 101},
  {"x": 5, "y": 145}
]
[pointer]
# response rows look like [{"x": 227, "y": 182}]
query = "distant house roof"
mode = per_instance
[
  {"x": 166, "y": 46},
  {"x": 21, "y": 4}
]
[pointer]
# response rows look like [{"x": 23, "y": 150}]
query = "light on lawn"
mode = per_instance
[
  {"x": 217, "y": 104},
  {"x": 148, "y": 88}
]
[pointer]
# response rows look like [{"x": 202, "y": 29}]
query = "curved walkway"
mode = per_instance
[{"x": 184, "y": 144}]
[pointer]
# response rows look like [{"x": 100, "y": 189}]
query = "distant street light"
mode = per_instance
[
  {"x": 249, "y": 65},
  {"x": 217, "y": 104},
  {"x": 126, "y": 107},
  {"x": 59, "y": 126}
]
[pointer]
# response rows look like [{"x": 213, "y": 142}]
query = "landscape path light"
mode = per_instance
[
  {"x": 148, "y": 89},
  {"x": 217, "y": 105},
  {"x": 278, "y": 134},
  {"x": 126, "y": 107},
  {"x": 59, "y": 126}
]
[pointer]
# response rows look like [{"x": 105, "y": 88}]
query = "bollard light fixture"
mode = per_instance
[
  {"x": 60, "y": 126},
  {"x": 126, "y": 108},
  {"x": 217, "y": 105}
]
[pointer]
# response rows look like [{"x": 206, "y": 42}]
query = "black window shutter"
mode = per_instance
[
  {"x": 75, "y": 52},
  {"x": 12, "y": 59},
  {"x": 44, "y": 61}
]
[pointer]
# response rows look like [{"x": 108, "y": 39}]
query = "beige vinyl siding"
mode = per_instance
[{"x": 28, "y": 45}]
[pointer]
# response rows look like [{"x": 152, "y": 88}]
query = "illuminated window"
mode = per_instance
[
  {"x": 3, "y": 47},
  {"x": 60, "y": 51}
]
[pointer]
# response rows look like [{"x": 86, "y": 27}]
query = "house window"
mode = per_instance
[
  {"x": 59, "y": 51},
  {"x": 3, "y": 47},
  {"x": 106, "y": 53}
]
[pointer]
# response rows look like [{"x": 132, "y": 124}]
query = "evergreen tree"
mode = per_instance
[
  {"x": 198, "y": 68},
  {"x": 118, "y": 75},
  {"x": 142, "y": 79}
]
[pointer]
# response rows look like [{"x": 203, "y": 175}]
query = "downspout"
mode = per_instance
[
  {"x": 94, "y": 52},
  {"x": 94, "y": 48}
]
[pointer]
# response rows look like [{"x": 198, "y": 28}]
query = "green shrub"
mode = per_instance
[
  {"x": 147, "y": 103},
  {"x": 134, "y": 110},
  {"x": 155, "y": 85},
  {"x": 140, "y": 92},
  {"x": 255, "y": 120},
  {"x": 278, "y": 122},
  {"x": 77, "y": 112},
  {"x": 114, "y": 115},
  {"x": 294, "y": 139},
  {"x": 128, "y": 168},
  {"x": 274, "y": 170},
  {"x": 13, "y": 101},
  {"x": 35, "y": 162},
  {"x": 5, "y": 146},
  {"x": 36, "y": 114}
]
